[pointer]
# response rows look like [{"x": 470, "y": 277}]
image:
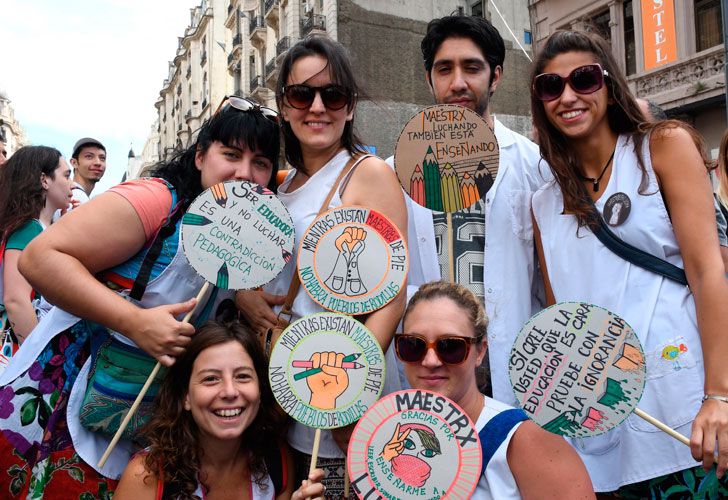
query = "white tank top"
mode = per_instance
[
  {"x": 303, "y": 204},
  {"x": 661, "y": 312}
]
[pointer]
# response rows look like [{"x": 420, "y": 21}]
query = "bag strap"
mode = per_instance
[
  {"x": 145, "y": 270},
  {"x": 496, "y": 431},
  {"x": 634, "y": 255},
  {"x": 296, "y": 281}
]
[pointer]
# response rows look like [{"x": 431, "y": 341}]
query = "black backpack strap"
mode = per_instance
[
  {"x": 275, "y": 463},
  {"x": 635, "y": 255},
  {"x": 145, "y": 270}
]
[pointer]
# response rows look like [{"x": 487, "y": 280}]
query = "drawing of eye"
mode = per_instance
[
  {"x": 428, "y": 453},
  {"x": 409, "y": 444}
]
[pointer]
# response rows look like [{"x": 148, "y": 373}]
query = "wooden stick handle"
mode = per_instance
[
  {"x": 145, "y": 388},
  {"x": 672, "y": 432},
  {"x": 450, "y": 249},
  {"x": 314, "y": 453},
  {"x": 346, "y": 481}
]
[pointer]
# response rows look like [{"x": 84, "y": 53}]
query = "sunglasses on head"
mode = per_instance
[
  {"x": 244, "y": 104},
  {"x": 301, "y": 96},
  {"x": 584, "y": 80},
  {"x": 450, "y": 349}
]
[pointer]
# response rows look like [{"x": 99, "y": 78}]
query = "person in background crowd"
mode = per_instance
[
  {"x": 464, "y": 59},
  {"x": 721, "y": 194},
  {"x": 33, "y": 184},
  {"x": 317, "y": 95},
  {"x": 214, "y": 432},
  {"x": 89, "y": 164},
  {"x": 441, "y": 344},
  {"x": 90, "y": 265},
  {"x": 594, "y": 137}
]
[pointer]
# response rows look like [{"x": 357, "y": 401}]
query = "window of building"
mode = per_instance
[
  {"x": 527, "y": 37},
  {"x": 476, "y": 8},
  {"x": 708, "y": 26},
  {"x": 600, "y": 24},
  {"x": 630, "y": 60}
]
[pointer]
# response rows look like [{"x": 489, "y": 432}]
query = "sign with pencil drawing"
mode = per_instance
[
  {"x": 577, "y": 369},
  {"x": 446, "y": 157},
  {"x": 237, "y": 235},
  {"x": 326, "y": 370}
]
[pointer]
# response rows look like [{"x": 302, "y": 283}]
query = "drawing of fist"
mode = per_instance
[
  {"x": 330, "y": 382},
  {"x": 345, "y": 278}
]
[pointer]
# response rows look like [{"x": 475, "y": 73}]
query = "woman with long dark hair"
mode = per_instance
[
  {"x": 603, "y": 155},
  {"x": 214, "y": 430},
  {"x": 317, "y": 96},
  {"x": 34, "y": 183},
  {"x": 118, "y": 303}
]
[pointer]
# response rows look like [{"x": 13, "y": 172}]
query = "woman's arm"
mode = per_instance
[
  {"x": 374, "y": 185},
  {"x": 546, "y": 466},
  {"x": 686, "y": 187},
  {"x": 137, "y": 483},
  {"x": 16, "y": 296},
  {"x": 61, "y": 262},
  {"x": 550, "y": 299}
]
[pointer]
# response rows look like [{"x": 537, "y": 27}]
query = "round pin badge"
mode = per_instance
[
  {"x": 414, "y": 444},
  {"x": 577, "y": 370},
  {"x": 237, "y": 235},
  {"x": 446, "y": 158},
  {"x": 326, "y": 370},
  {"x": 352, "y": 260},
  {"x": 616, "y": 209}
]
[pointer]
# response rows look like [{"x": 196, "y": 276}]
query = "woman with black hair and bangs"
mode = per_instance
[
  {"x": 648, "y": 184},
  {"x": 116, "y": 272}
]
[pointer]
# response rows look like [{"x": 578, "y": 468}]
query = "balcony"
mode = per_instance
[
  {"x": 683, "y": 82},
  {"x": 258, "y": 90},
  {"x": 237, "y": 40},
  {"x": 282, "y": 46},
  {"x": 255, "y": 82},
  {"x": 272, "y": 13},
  {"x": 257, "y": 31},
  {"x": 271, "y": 73},
  {"x": 231, "y": 14},
  {"x": 313, "y": 24},
  {"x": 203, "y": 58}
]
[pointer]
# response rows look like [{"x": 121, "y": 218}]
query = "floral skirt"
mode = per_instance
[{"x": 37, "y": 457}]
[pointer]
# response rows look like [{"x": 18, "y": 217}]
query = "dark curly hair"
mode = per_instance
[
  {"x": 174, "y": 450},
  {"x": 341, "y": 73},
  {"x": 21, "y": 174},
  {"x": 231, "y": 127}
]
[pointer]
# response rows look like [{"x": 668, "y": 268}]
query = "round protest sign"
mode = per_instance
[
  {"x": 237, "y": 235},
  {"x": 446, "y": 157},
  {"x": 577, "y": 370},
  {"x": 352, "y": 260},
  {"x": 414, "y": 444},
  {"x": 326, "y": 370}
]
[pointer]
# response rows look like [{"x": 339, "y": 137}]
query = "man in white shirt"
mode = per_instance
[
  {"x": 89, "y": 164},
  {"x": 463, "y": 58}
]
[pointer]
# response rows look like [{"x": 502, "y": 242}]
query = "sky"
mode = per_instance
[{"x": 88, "y": 68}]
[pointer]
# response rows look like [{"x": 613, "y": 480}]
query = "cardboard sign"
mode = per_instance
[
  {"x": 414, "y": 444},
  {"x": 352, "y": 260},
  {"x": 326, "y": 370},
  {"x": 577, "y": 370},
  {"x": 446, "y": 158},
  {"x": 237, "y": 235}
]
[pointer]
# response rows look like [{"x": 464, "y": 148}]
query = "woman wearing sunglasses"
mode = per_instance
[
  {"x": 316, "y": 95},
  {"x": 443, "y": 342},
  {"x": 115, "y": 269},
  {"x": 603, "y": 154}
]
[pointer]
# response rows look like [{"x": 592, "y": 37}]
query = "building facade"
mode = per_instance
[
  {"x": 671, "y": 51},
  {"x": 10, "y": 127},
  {"x": 236, "y": 46}
]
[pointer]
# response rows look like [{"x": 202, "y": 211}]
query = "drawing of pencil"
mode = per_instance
[
  {"x": 451, "y": 199},
  {"x": 313, "y": 371},
  {"x": 218, "y": 192},
  {"x": 417, "y": 186},
  {"x": 349, "y": 365},
  {"x": 470, "y": 190},
  {"x": 191, "y": 219},
  {"x": 431, "y": 173}
]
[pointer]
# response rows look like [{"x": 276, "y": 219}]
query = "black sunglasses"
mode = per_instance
[
  {"x": 301, "y": 96},
  {"x": 450, "y": 349},
  {"x": 245, "y": 104},
  {"x": 584, "y": 80}
]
